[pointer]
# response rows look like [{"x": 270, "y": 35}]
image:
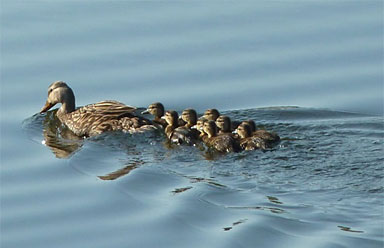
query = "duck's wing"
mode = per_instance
[
  {"x": 224, "y": 143},
  {"x": 113, "y": 108},
  {"x": 253, "y": 143},
  {"x": 182, "y": 135},
  {"x": 267, "y": 136}
]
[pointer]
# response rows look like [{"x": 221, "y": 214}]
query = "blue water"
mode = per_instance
[{"x": 321, "y": 187}]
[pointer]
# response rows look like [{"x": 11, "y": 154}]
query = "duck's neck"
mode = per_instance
[
  {"x": 67, "y": 108},
  {"x": 210, "y": 135},
  {"x": 174, "y": 124},
  {"x": 245, "y": 135},
  {"x": 189, "y": 124},
  {"x": 68, "y": 103}
]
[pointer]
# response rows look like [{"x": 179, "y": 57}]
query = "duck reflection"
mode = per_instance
[
  {"x": 122, "y": 172},
  {"x": 62, "y": 141}
]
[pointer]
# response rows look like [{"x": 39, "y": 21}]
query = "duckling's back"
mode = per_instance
[{"x": 224, "y": 143}]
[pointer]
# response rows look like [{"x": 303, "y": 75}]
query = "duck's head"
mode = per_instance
[
  {"x": 224, "y": 123},
  {"x": 60, "y": 92},
  {"x": 209, "y": 128},
  {"x": 200, "y": 124},
  {"x": 244, "y": 130},
  {"x": 189, "y": 116},
  {"x": 251, "y": 124},
  {"x": 211, "y": 114},
  {"x": 156, "y": 109},
  {"x": 171, "y": 117}
]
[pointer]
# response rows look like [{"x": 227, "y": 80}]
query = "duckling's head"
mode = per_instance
[
  {"x": 200, "y": 124},
  {"x": 244, "y": 130},
  {"x": 189, "y": 116},
  {"x": 209, "y": 128},
  {"x": 156, "y": 109},
  {"x": 171, "y": 117},
  {"x": 60, "y": 92},
  {"x": 251, "y": 124},
  {"x": 223, "y": 122},
  {"x": 211, "y": 114}
]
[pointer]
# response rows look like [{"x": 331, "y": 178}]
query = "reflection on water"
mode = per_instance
[
  {"x": 348, "y": 229},
  {"x": 234, "y": 224},
  {"x": 122, "y": 172},
  {"x": 180, "y": 190},
  {"x": 61, "y": 140}
]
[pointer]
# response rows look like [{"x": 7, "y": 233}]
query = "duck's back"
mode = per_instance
[
  {"x": 253, "y": 143},
  {"x": 181, "y": 135},
  {"x": 223, "y": 143},
  {"x": 94, "y": 119},
  {"x": 109, "y": 107},
  {"x": 269, "y": 137},
  {"x": 260, "y": 139}
]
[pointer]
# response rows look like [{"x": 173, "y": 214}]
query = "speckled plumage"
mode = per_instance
[
  {"x": 259, "y": 139},
  {"x": 222, "y": 143},
  {"x": 92, "y": 119},
  {"x": 176, "y": 134}
]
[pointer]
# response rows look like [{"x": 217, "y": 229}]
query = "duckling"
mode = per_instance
[
  {"x": 174, "y": 133},
  {"x": 157, "y": 110},
  {"x": 199, "y": 127},
  {"x": 251, "y": 123},
  {"x": 223, "y": 124},
  {"x": 189, "y": 116},
  {"x": 257, "y": 140},
  {"x": 270, "y": 138},
  {"x": 222, "y": 143},
  {"x": 92, "y": 119},
  {"x": 247, "y": 141},
  {"x": 211, "y": 114}
]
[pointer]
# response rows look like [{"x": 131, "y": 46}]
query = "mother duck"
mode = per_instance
[{"x": 92, "y": 119}]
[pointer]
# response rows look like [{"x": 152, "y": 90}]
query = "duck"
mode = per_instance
[
  {"x": 92, "y": 119},
  {"x": 247, "y": 141},
  {"x": 199, "y": 127},
  {"x": 223, "y": 143},
  {"x": 211, "y": 114},
  {"x": 223, "y": 124},
  {"x": 177, "y": 134},
  {"x": 270, "y": 138},
  {"x": 255, "y": 140},
  {"x": 189, "y": 117},
  {"x": 157, "y": 110}
]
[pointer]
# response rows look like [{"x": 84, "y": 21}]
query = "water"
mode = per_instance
[{"x": 321, "y": 187}]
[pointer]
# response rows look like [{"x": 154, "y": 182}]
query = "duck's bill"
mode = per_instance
[
  {"x": 145, "y": 112},
  {"x": 46, "y": 107}
]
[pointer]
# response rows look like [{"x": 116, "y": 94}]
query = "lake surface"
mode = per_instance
[{"x": 321, "y": 187}]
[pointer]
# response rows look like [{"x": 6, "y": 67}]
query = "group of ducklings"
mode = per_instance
[{"x": 214, "y": 130}]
